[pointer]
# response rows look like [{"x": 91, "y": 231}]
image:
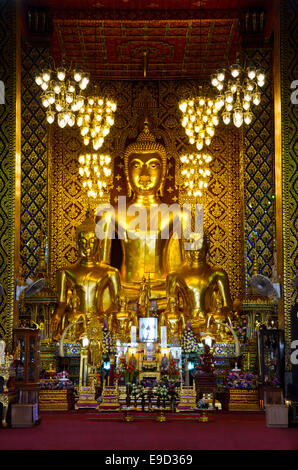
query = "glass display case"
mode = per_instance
[
  {"x": 27, "y": 369},
  {"x": 270, "y": 359}
]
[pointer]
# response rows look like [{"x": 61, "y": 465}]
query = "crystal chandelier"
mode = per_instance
[
  {"x": 194, "y": 173},
  {"x": 237, "y": 93},
  {"x": 95, "y": 120},
  {"x": 96, "y": 173},
  {"x": 199, "y": 120},
  {"x": 62, "y": 96}
]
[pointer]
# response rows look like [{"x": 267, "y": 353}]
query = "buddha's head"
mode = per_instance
[
  {"x": 145, "y": 163},
  {"x": 87, "y": 241},
  {"x": 199, "y": 248}
]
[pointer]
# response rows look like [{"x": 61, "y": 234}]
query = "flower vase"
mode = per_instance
[
  {"x": 143, "y": 403},
  {"x": 136, "y": 401},
  {"x": 158, "y": 402},
  {"x": 164, "y": 403}
]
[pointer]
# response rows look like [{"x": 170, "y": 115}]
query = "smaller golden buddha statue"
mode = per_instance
[
  {"x": 195, "y": 282},
  {"x": 89, "y": 287}
]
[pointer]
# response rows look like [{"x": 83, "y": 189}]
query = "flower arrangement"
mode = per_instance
[
  {"x": 138, "y": 391},
  {"x": 161, "y": 391},
  {"x": 241, "y": 381},
  {"x": 189, "y": 342},
  {"x": 127, "y": 370},
  {"x": 173, "y": 370}
]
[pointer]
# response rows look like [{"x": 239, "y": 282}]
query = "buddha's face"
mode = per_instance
[
  {"x": 145, "y": 172},
  {"x": 87, "y": 244}
]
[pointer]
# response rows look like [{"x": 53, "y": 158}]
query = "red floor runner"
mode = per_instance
[{"x": 74, "y": 431}]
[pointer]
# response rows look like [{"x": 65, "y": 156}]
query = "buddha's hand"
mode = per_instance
[{"x": 56, "y": 322}]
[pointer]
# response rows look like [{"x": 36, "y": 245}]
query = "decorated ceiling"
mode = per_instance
[{"x": 137, "y": 39}]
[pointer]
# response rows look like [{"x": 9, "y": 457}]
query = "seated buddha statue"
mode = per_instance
[
  {"x": 195, "y": 281},
  {"x": 89, "y": 288},
  {"x": 146, "y": 251}
]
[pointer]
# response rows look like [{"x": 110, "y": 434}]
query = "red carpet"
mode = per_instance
[{"x": 76, "y": 431}]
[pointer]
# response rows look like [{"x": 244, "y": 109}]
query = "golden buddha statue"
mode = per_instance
[
  {"x": 195, "y": 282},
  {"x": 146, "y": 251},
  {"x": 89, "y": 288}
]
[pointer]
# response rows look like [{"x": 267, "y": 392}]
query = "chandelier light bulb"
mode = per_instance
[
  {"x": 61, "y": 73},
  {"x": 71, "y": 87},
  {"x": 251, "y": 72},
  {"x": 256, "y": 98},
  {"x": 38, "y": 80},
  {"x": 69, "y": 98},
  {"x": 45, "y": 101},
  {"x": 183, "y": 106},
  {"x": 77, "y": 75},
  {"x": 50, "y": 115},
  {"x": 221, "y": 75},
  {"x": 46, "y": 75},
  {"x": 238, "y": 117},
  {"x": 56, "y": 87},
  {"x": 199, "y": 144},
  {"x": 248, "y": 117},
  {"x": 235, "y": 70},
  {"x": 71, "y": 120},
  {"x": 228, "y": 107},
  {"x": 229, "y": 97},
  {"x": 44, "y": 86},
  {"x": 226, "y": 117},
  {"x": 260, "y": 76},
  {"x": 83, "y": 83},
  {"x": 215, "y": 120},
  {"x": 233, "y": 87},
  {"x": 61, "y": 120},
  {"x": 247, "y": 95},
  {"x": 220, "y": 86},
  {"x": 220, "y": 102},
  {"x": 246, "y": 105}
]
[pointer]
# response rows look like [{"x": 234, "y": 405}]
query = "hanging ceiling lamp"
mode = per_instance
[
  {"x": 95, "y": 120},
  {"x": 62, "y": 93},
  {"x": 96, "y": 174},
  {"x": 238, "y": 92},
  {"x": 199, "y": 119},
  {"x": 62, "y": 90},
  {"x": 194, "y": 173}
]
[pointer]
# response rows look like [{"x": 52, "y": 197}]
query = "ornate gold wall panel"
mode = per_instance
[
  {"x": 289, "y": 73},
  {"x": 258, "y": 152},
  {"x": 7, "y": 165},
  {"x": 223, "y": 210},
  {"x": 34, "y": 161}
]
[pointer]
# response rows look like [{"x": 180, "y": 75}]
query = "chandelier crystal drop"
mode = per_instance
[
  {"x": 96, "y": 173},
  {"x": 62, "y": 93},
  {"x": 199, "y": 119},
  {"x": 238, "y": 92},
  {"x": 195, "y": 173},
  {"x": 95, "y": 120}
]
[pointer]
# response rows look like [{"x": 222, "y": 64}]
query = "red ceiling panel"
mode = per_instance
[{"x": 182, "y": 38}]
